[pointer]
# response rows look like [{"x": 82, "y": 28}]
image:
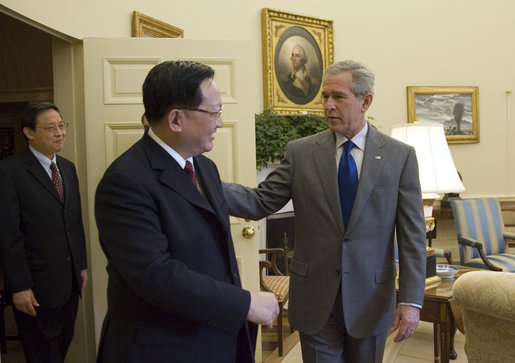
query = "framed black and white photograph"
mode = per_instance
[
  {"x": 296, "y": 50},
  {"x": 456, "y": 108}
]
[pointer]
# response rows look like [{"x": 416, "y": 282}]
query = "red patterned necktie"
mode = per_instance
[
  {"x": 190, "y": 172},
  {"x": 56, "y": 179}
]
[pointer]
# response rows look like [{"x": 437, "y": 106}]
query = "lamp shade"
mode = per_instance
[{"x": 436, "y": 167}]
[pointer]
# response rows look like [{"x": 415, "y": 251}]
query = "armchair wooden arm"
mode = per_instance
[
  {"x": 477, "y": 245},
  {"x": 447, "y": 254},
  {"x": 274, "y": 252},
  {"x": 262, "y": 266}
]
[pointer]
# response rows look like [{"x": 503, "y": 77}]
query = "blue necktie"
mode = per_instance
[{"x": 347, "y": 181}]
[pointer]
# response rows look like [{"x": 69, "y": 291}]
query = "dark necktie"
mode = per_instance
[
  {"x": 189, "y": 170},
  {"x": 56, "y": 179},
  {"x": 347, "y": 181}
]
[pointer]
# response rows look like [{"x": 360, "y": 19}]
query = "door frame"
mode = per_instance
[{"x": 68, "y": 69}]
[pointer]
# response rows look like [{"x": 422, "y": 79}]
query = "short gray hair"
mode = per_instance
[{"x": 362, "y": 77}]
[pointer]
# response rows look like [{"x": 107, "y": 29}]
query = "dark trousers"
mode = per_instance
[
  {"x": 333, "y": 344},
  {"x": 46, "y": 337}
]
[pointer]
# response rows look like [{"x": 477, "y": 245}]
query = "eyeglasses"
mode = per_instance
[
  {"x": 53, "y": 129},
  {"x": 217, "y": 114}
]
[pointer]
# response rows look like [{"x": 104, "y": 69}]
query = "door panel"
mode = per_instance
[{"x": 114, "y": 70}]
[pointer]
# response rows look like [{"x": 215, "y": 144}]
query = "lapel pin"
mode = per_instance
[{"x": 378, "y": 157}]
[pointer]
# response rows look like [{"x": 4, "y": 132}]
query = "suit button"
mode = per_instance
[
  {"x": 68, "y": 259},
  {"x": 338, "y": 271}
]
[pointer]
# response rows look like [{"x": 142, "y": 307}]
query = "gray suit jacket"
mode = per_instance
[{"x": 361, "y": 258}]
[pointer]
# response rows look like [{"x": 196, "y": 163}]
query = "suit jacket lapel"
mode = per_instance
[
  {"x": 66, "y": 176},
  {"x": 172, "y": 175},
  {"x": 35, "y": 168},
  {"x": 325, "y": 164},
  {"x": 209, "y": 182},
  {"x": 371, "y": 169}
]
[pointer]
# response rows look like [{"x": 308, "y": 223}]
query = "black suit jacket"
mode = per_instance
[
  {"x": 174, "y": 290},
  {"x": 42, "y": 243}
]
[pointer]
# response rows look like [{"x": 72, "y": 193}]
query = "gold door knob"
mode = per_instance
[{"x": 248, "y": 232}]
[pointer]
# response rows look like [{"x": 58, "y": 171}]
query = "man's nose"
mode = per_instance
[{"x": 329, "y": 103}]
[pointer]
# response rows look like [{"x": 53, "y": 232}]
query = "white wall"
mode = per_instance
[{"x": 406, "y": 43}]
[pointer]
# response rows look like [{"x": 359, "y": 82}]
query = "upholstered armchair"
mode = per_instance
[
  {"x": 483, "y": 242},
  {"x": 487, "y": 302},
  {"x": 277, "y": 284}
]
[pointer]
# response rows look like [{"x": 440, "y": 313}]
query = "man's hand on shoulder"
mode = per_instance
[
  {"x": 25, "y": 301},
  {"x": 263, "y": 308}
]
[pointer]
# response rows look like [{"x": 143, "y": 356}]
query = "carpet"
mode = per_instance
[{"x": 418, "y": 348}]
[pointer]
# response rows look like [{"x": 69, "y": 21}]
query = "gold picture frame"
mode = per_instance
[
  {"x": 144, "y": 26},
  {"x": 310, "y": 39},
  {"x": 457, "y": 108}
]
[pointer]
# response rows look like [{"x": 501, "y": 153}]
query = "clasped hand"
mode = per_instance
[{"x": 263, "y": 308}]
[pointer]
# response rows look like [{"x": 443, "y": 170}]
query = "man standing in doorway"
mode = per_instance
[
  {"x": 42, "y": 243},
  {"x": 174, "y": 290}
]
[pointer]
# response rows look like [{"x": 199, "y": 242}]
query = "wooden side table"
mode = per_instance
[{"x": 437, "y": 310}]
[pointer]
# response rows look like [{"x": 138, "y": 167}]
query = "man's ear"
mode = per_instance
[
  {"x": 27, "y": 131},
  {"x": 175, "y": 120},
  {"x": 367, "y": 101}
]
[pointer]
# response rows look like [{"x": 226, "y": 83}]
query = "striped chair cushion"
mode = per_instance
[
  {"x": 504, "y": 261},
  {"x": 279, "y": 286}
]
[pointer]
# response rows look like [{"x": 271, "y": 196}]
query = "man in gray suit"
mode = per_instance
[{"x": 342, "y": 286}]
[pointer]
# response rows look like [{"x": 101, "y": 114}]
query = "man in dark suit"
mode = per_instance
[
  {"x": 42, "y": 243},
  {"x": 342, "y": 285},
  {"x": 174, "y": 292}
]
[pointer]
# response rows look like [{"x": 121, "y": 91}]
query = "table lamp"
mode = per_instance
[{"x": 437, "y": 172}]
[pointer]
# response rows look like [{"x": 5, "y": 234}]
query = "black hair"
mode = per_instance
[
  {"x": 30, "y": 113},
  {"x": 173, "y": 84}
]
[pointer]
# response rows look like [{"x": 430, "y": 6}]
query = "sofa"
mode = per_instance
[{"x": 487, "y": 302}]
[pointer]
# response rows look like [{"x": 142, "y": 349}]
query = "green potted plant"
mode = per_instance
[{"x": 274, "y": 131}]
